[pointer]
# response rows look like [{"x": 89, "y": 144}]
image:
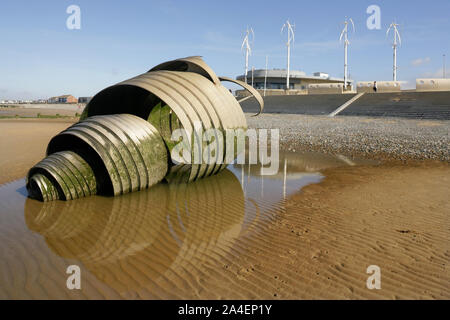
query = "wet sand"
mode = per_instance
[
  {"x": 392, "y": 216},
  {"x": 226, "y": 242}
]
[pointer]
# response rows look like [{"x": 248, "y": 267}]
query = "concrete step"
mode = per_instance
[
  {"x": 420, "y": 105},
  {"x": 345, "y": 105}
]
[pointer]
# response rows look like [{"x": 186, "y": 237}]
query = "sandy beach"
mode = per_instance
[
  {"x": 24, "y": 142},
  {"x": 391, "y": 216},
  {"x": 67, "y": 111},
  {"x": 316, "y": 244},
  {"x": 223, "y": 159}
]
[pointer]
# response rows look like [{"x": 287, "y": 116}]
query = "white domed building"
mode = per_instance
[{"x": 299, "y": 81}]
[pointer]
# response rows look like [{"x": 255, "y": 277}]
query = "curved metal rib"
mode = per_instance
[
  {"x": 62, "y": 175},
  {"x": 129, "y": 148},
  {"x": 250, "y": 89},
  {"x": 193, "y": 64}
]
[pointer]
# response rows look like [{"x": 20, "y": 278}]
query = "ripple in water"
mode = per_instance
[{"x": 157, "y": 243}]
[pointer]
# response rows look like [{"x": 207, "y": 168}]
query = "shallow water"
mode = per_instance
[{"x": 158, "y": 243}]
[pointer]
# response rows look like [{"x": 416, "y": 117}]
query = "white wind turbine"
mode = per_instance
[
  {"x": 344, "y": 35},
  {"x": 290, "y": 38},
  {"x": 248, "y": 49},
  {"x": 397, "y": 37}
]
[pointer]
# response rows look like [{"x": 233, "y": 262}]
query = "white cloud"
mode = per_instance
[{"x": 420, "y": 61}]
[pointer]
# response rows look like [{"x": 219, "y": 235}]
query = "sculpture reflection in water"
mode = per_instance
[{"x": 141, "y": 238}]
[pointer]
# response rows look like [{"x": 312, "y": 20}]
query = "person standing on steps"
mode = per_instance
[{"x": 375, "y": 88}]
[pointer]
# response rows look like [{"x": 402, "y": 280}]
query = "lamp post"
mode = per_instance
[
  {"x": 443, "y": 70},
  {"x": 265, "y": 78}
]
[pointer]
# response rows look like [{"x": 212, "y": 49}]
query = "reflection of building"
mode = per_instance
[
  {"x": 276, "y": 81},
  {"x": 67, "y": 98}
]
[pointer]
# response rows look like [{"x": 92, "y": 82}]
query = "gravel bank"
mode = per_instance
[{"x": 376, "y": 138}]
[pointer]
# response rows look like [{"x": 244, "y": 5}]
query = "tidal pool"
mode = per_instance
[{"x": 157, "y": 243}]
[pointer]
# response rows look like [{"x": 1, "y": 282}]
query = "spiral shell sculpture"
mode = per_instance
[{"x": 123, "y": 142}]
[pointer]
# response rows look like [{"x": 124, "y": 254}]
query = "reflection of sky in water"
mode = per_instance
[
  {"x": 272, "y": 189},
  {"x": 264, "y": 193}
]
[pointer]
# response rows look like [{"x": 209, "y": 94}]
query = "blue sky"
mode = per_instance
[{"x": 40, "y": 57}]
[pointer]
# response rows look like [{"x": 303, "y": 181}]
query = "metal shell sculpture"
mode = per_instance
[{"x": 123, "y": 142}]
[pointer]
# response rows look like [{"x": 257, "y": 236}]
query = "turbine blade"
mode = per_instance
[
  {"x": 399, "y": 38},
  {"x": 352, "y": 24},
  {"x": 291, "y": 31}
]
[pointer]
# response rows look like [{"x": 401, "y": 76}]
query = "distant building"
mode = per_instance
[
  {"x": 321, "y": 75},
  {"x": 84, "y": 99},
  {"x": 9, "y": 101},
  {"x": 276, "y": 81},
  {"x": 39, "y": 101},
  {"x": 67, "y": 98}
]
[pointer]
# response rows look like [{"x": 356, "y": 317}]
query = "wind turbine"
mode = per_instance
[
  {"x": 344, "y": 35},
  {"x": 248, "y": 49},
  {"x": 394, "y": 26},
  {"x": 290, "y": 38}
]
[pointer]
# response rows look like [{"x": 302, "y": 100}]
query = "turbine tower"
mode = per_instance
[
  {"x": 443, "y": 66},
  {"x": 344, "y": 35},
  {"x": 290, "y": 38},
  {"x": 397, "y": 41},
  {"x": 248, "y": 50}
]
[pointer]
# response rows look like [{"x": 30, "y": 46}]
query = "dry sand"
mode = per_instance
[
  {"x": 317, "y": 245},
  {"x": 34, "y": 111},
  {"x": 23, "y": 143}
]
